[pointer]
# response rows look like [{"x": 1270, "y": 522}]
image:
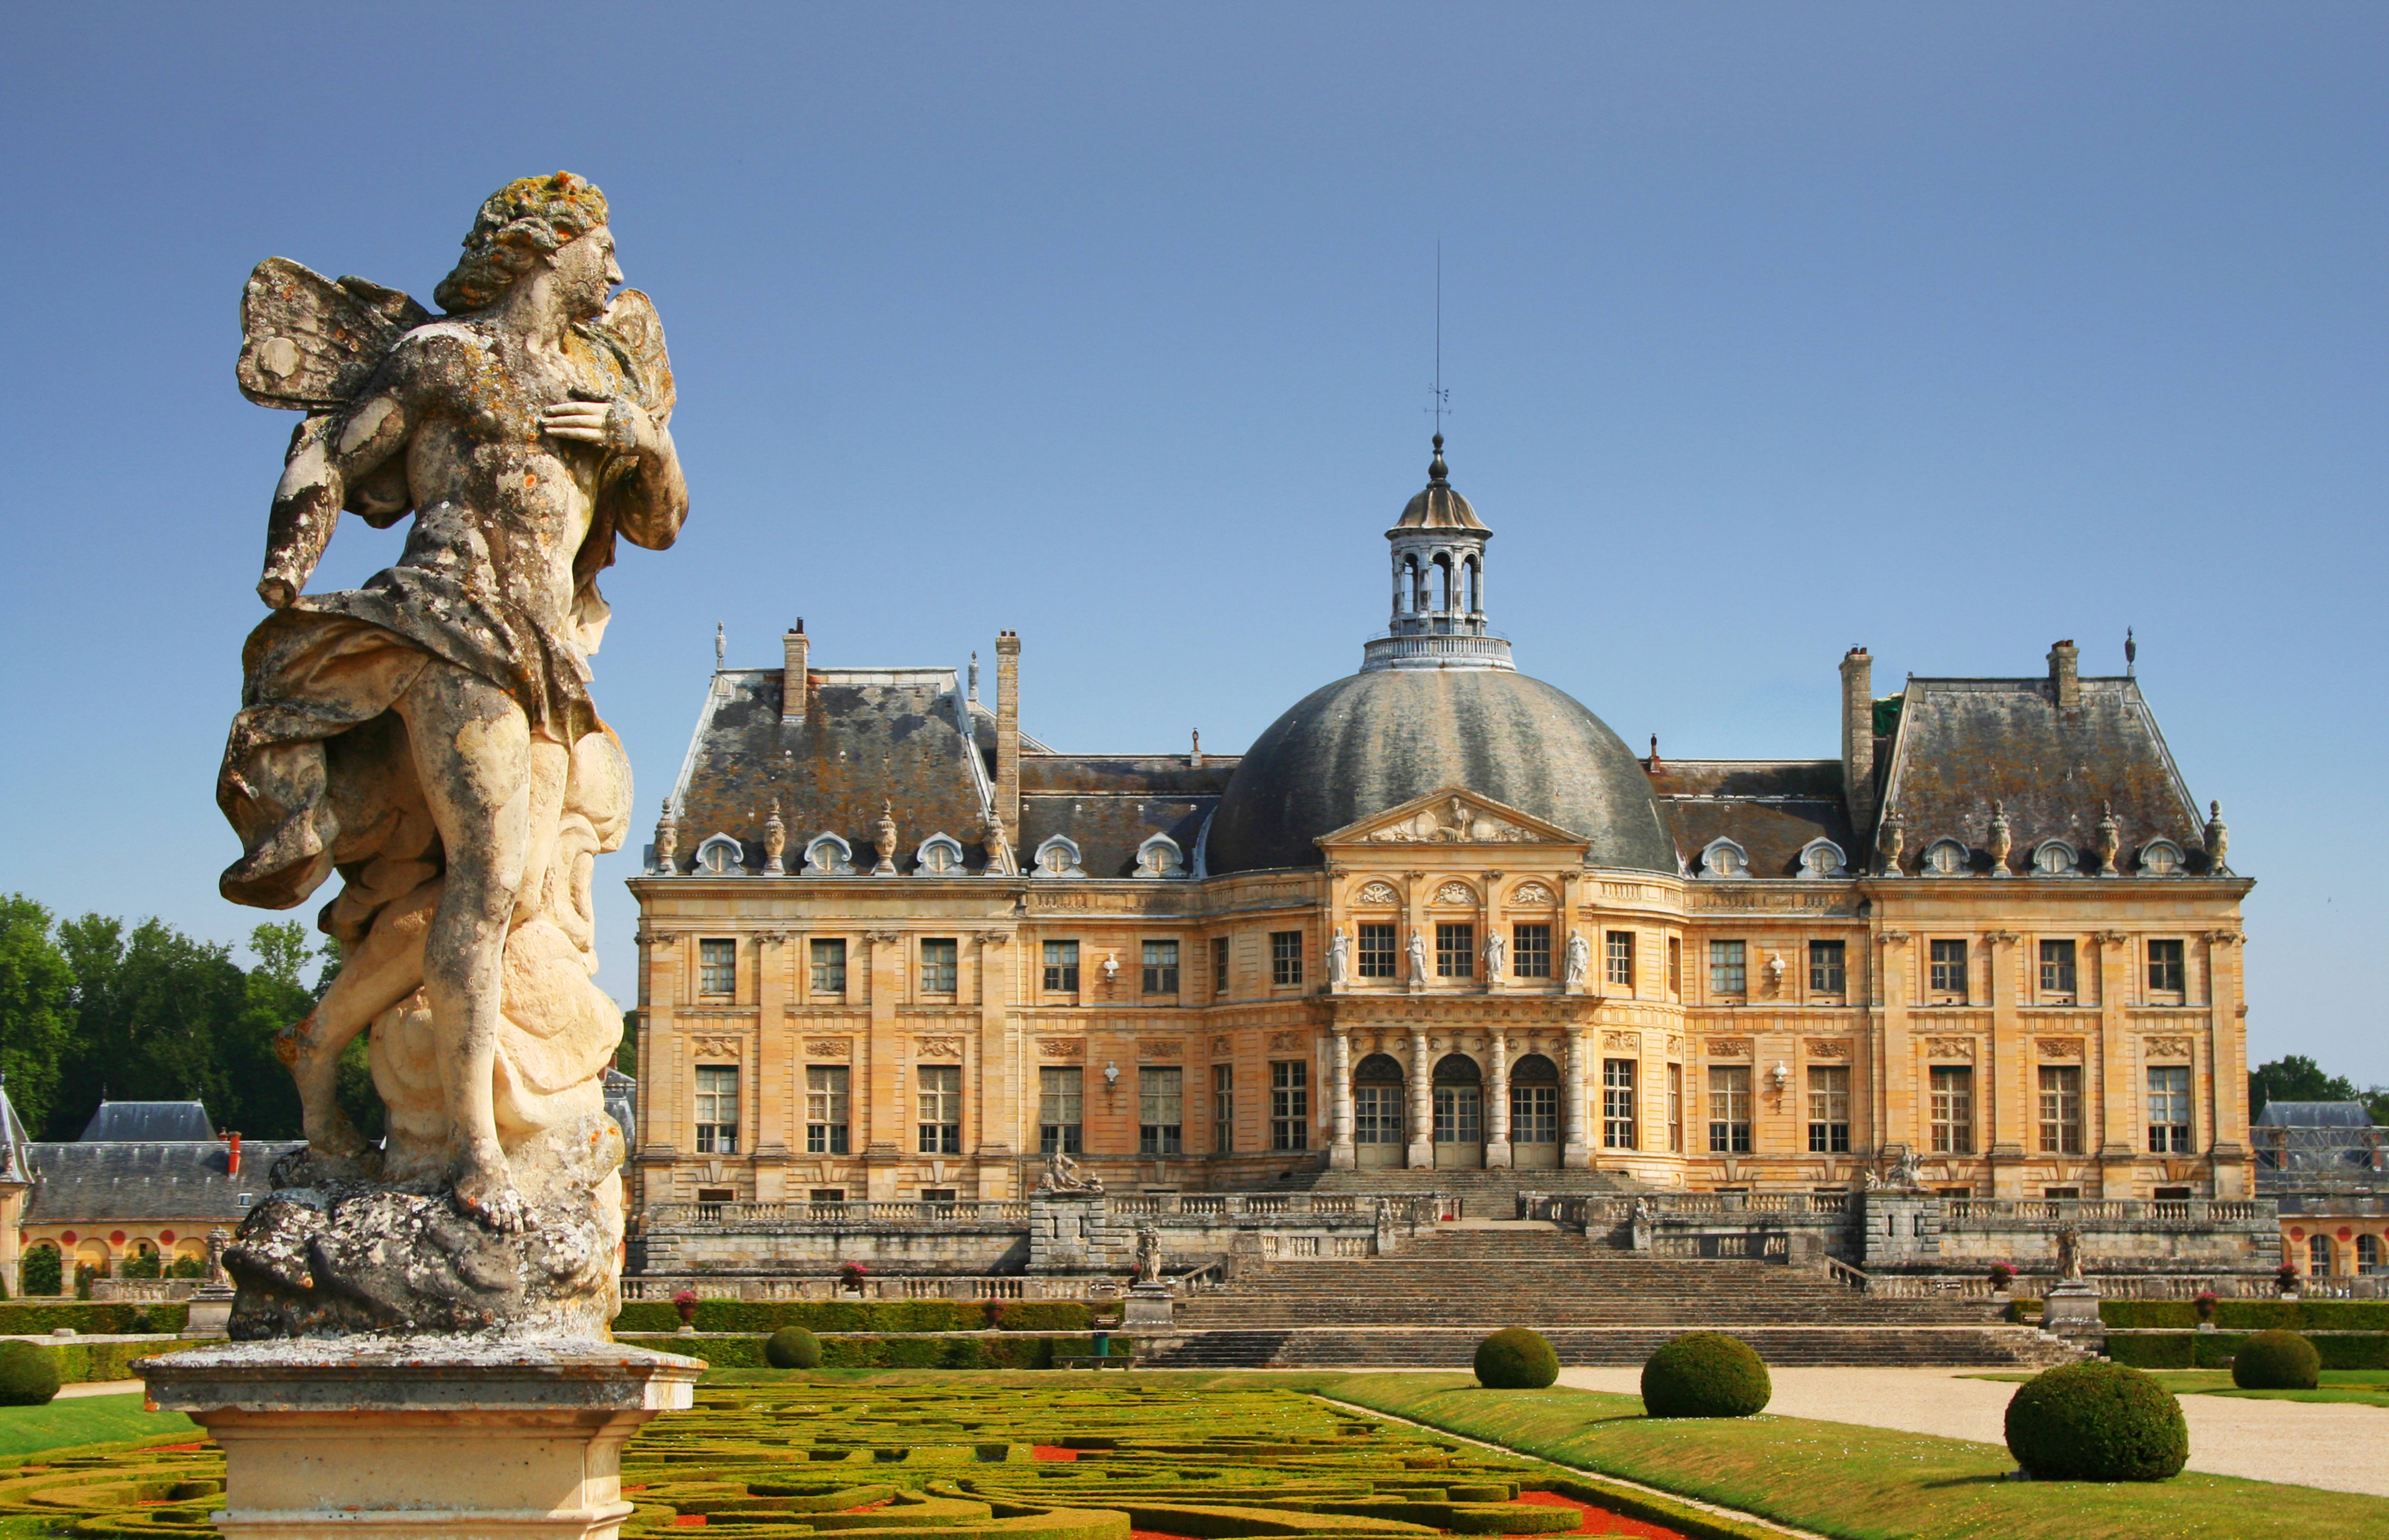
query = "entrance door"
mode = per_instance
[
  {"x": 1377, "y": 1111},
  {"x": 1459, "y": 1114},
  {"x": 1535, "y": 1112}
]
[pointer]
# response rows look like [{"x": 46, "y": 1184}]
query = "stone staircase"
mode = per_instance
[{"x": 1430, "y": 1304}]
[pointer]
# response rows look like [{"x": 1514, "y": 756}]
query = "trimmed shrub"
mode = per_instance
[
  {"x": 891, "y": 1315},
  {"x": 1516, "y": 1359},
  {"x": 2276, "y": 1361},
  {"x": 792, "y": 1347},
  {"x": 43, "y": 1272},
  {"x": 1706, "y": 1374},
  {"x": 2096, "y": 1422},
  {"x": 39, "y": 1318},
  {"x": 29, "y": 1376}
]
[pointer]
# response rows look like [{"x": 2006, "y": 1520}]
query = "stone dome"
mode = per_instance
[{"x": 1377, "y": 739}]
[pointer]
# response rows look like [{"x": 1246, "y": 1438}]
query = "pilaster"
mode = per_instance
[
  {"x": 1497, "y": 1114},
  {"x": 2112, "y": 1096},
  {"x": 1575, "y": 1146},
  {"x": 882, "y": 1071},
  {"x": 1420, "y": 1155}
]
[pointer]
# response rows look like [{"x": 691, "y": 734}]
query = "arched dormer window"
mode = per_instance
[
  {"x": 2054, "y": 857},
  {"x": 1945, "y": 858},
  {"x": 940, "y": 855},
  {"x": 1723, "y": 857},
  {"x": 2161, "y": 857},
  {"x": 1822, "y": 857},
  {"x": 1159, "y": 857},
  {"x": 1058, "y": 857},
  {"x": 721, "y": 857},
  {"x": 826, "y": 855}
]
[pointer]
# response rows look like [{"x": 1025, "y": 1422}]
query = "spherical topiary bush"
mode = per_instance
[
  {"x": 2276, "y": 1361},
  {"x": 29, "y": 1375},
  {"x": 1517, "y": 1359},
  {"x": 792, "y": 1347},
  {"x": 2096, "y": 1422},
  {"x": 1706, "y": 1374}
]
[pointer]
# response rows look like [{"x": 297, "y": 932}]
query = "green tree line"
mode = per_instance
[{"x": 2295, "y": 1077}]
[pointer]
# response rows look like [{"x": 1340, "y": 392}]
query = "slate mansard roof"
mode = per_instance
[
  {"x": 149, "y": 1120},
  {"x": 1773, "y": 809},
  {"x": 143, "y": 1179}
]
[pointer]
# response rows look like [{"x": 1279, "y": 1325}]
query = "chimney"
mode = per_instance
[
  {"x": 232, "y": 1155},
  {"x": 792, "y": 674},
  {"x": 1007, "y": 733},
  {"x": 1858, "y": 738},
  {"x": 2063, "y": 678}
]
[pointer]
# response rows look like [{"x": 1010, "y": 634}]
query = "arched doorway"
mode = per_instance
[
  {"x": 1535, "y": 1112},
  {"x": 1377, "y": 1111},
  {"x": 1459, "y": 1088}
]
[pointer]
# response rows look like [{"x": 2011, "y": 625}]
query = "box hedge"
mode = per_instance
[
  {"x": 2250, "y": 1315},
  {"x": 24, "y": 1319},
  {"x": 887, "y": 1315},
  {"x": 933, "y": 1352},
  {"x": 2216, "y": 1349},
  {"x": 2096, "y": 1422}
]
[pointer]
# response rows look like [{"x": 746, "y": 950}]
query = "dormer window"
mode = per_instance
[
  {"x": 940, "y": 855},
  {"x": 2054, "y": 857},
  {"x": 1723, "y": 857},
  {"x": 1822, "y": 857},
  {"x": 2161, "y": 857},
  {"x": 826, "y": 855},
  {"x": 1058, "y": 857},
  {"x": 721, "y": 857},
  {"x": 1944, "y": 858},
  {"x": 1159, "y": 857}
]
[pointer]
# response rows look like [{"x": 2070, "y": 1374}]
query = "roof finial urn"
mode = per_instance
[
  {"x": 1438, "y": 473},
  {"x": 775, "y": 841},
  {"x": 886, "y": 866},
  {"x": 2218, "y": 842},
  {"x": 2001, "y": 841},
  {"x": 667, "y": 839},
  {"x": 1889, "y": 836},
  {"x": 2109, "y": 842}
]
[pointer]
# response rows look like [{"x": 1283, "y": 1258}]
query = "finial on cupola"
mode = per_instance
[{"x": 2131, "y": 652}]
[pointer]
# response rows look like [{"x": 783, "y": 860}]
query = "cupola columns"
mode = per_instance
[{"x": 1439, "y": 582}]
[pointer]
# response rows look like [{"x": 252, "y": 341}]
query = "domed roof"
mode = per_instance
[
  {"x": 1376, "y": 740},
  {"x": 1440, "y": 507}
]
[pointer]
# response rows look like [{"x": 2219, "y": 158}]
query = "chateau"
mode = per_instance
[{"x": 893, "y": 947}]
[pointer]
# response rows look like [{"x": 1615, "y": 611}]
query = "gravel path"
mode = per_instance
[{"x": 2310, "y": 1443}]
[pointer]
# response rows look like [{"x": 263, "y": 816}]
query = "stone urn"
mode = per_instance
[{"x": 686, "y": 1303}]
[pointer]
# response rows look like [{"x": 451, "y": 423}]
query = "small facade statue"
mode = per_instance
[
  {"x": 1642, "y": 1222},
  {"x": 1418, "y": 961},
  {"x": 2069, "y": 1253},
  {"x": 1496, "y": 957},
  {"x": 1063, "y": 1175},
  {"x": 1580, "y": 960},
  {"x": 667, "y": 839},
  {"x": 2218, "y": 842},
  {"x": 886, "y": 866},
  {"x": 218, "y": 1239},
  {"x": 1905, "y": 1174},
  {"x": 776, "y": 843},
  {"x": 1148, "y": 1254},
  {"x": 2109, "y": 842},
  {"x": 2002, "y": 840},
  {"x": 1888, "y": 838},
  {"x": 1340, "y": 958},
  {"x": 1774, "y": 973}
]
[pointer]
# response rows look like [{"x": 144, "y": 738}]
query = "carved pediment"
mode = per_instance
[{"x": 1451, "y": 816}]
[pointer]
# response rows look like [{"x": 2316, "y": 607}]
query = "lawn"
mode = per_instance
[
  {"x": 84, "y": 1419},
  {"x": 2362, "y": 1387}
]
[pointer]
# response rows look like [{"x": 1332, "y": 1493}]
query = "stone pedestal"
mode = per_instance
[
  {"x": 1150, "y": 1309},
  {"x": 2070, "y": 1309},
  {"x": 211, "y": 1311},
  {"x": 430, "y": 1438}
]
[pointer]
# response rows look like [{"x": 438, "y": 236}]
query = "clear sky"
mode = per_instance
[{"x": 1770, "y": 329}]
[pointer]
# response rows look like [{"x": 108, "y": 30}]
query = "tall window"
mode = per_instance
[
  {"x": 1219, "y": 967},
  {"x": 2057, "y": 968},
  {"x": 717, "y": 1109},
  {"x": 939, "y": 1089},
  {"x": 717, "y": 967},
  {"x": 1060, "y": 1110},
  {"x": 2319, "y": 1256},
  {"x": 829, "y": 970},
  {"x": 1730, "y": 1109},
  {"x": 1676, "y": 1108},
  {"x": 1948, "y": 975},
  {"x": 2164, "y": 967},
  {"x": 1952, "y": 1090},
  {"x": 1530, "y": 951},
  {"x": 1289, "y": 1104},
  {"x": 1829, "y": 1108},
  {"x": 1827, "y": 968},
  {"x": 1534, "y": 1102},
  {"x": 1619, "y": 956},
  {"x": 826, "y": 1110},
  {"x": 1378, "y": 954},
  {"x": 1224, "y": 1109},
  {"x": 1455, "y": 952},
  {"x": 2169, "y": 1109},
  {"x": 1160, "y": 1110},
  {"x": 938, "y": 967},
  {"x": 1061, "y": 967},
  {"x": 1676, "y": 966},
  {"x": 1617, "y": 1105},
  {"x": 1728, "y": 968},
  {"x": 2367, "y": 1253},
  {"x": 1286, "y": 958},
  {"x": 1161, "y": 967},
  {"x": 2061, "y": 1108}
]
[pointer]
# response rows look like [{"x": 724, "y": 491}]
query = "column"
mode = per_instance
[
  {"x": 1576, "y": 1150},
  {"x": 1421, "y": 1153},
  {"x": 1497, "y": 1116},
  {"x": 1339, "y": 1098}
]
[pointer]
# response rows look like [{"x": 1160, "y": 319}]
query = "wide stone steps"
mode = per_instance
[{"x": 1417, "y": 1347}]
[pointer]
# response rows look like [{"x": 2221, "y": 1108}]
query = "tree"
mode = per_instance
[
  {"x": 2295, "y": 1077},
  {"x": 36, "y": 1007}
]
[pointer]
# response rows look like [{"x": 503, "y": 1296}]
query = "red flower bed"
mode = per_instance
[
  {"x": 1050, "y": 1451},
  {"x": 1601, "y": 1521}
]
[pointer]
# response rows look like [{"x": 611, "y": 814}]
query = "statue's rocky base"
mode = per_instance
[{"x": 428, "y": 1438}]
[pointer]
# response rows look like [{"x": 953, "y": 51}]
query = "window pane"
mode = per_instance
[
  {"x": 1218, "y": 966},
  {"x": 717, "y": 967},
  {"x": 1828, "y": 1110},
  {"x": 1730, "y": 1108},
  {"x": 829, "y": 969},
  {"x": 1827, "y": 973},
  {"x": 2057, "y": 967},
  {"x": 2061, "y": 1108},
  {"x": 1161, "y": 967},
  {"x": 1954, "y": 1111},
  {"x": 1161, "y": 1106},
  {"x": 938, "y": 967},
  {"x": 1676, "y": 1108},
  {"x": 1530, "y": 951},
  {"x": 1289, "y": 1104},
  {"x": 1617, "y": 1103},
  {"x": 1224, "y": 1109},
  {"x": 827, "y": 1124},
  {"x": 1286, "y": 958},
  {"x": 2165, "y": 966},
  {"x": 1062, "y": 967},
  {"x": 1061, "y": 1102},
  {"x": 1949, "y": 968},
  {"x": 1377, "y": 951},
  {"x": 1729, "y": 972},
  {"x": 1534, "y": 1115},
  {"x": 717, "y": 1109},
  {"x": 1675, "y": 965},
  {"x": 2169, "y": 1109},
  {"x": 1619, "y": 953},
  {"x": 1455, "y": 952}
]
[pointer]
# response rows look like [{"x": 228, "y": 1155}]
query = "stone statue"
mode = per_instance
[
  {"x": 1580, "y": 960},
  {"x": 1640, "y": 1221},
  {"x": 1340, "y": 958},
  {"x": 2069, "y": 1253},
  {"x": 667, "y": 839},
  {"x": 2003, "y": 839},
  {"x": 431, "y": 735},
  {"x": 999, "y": 851},
  {"x": 1888, "y": 838},
  {"x": 776, "y": 843},
  {"x": 886, "y": 866},
  {"x": 1906, "y": 1174},
  {"x": 1062, "y": 1175},
  {"x": 2110, "y": 841},
  {"x": 1148, "y": 1254},
  {"x": 2218, "y": 842},
  {"x": 1496, "y": 954},
  {"x": 1418, "y": 961}
]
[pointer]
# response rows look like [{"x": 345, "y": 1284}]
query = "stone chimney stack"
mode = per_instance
[
  {"x": 2065, "y": 677},
  {"x": 1007, "y": 733},
  {"x": 792, "y": 674},
  {"x": 1857, "y": 737}
]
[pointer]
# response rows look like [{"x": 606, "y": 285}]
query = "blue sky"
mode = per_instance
[{"x": 1770, "y": 329}]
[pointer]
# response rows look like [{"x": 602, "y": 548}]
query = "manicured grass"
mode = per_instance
[
  {"x": 84, "y": 1419},
  {"x": 1856, "y": 1484}
]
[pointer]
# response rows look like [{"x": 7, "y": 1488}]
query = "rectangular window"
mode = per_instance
[
  {"x": 2169, "y": 1110},
  {"x": 1530, "y": 951},
  {"x": 1289, "y": 1104},
  {"x": 1534, "y": 1113},
  {"x": 938, "y": 967},
  {"x": 1286, "y": 958},
  {"x": 1827, "y": 968},
  {"x": 939, "y": 1091},
  {"x": 1455, "y": 952},
  {"x": 826, "y": 1120},
  {"x": 1378, "y": 953},
  {"x": 1619, "y": 959},
  {"x": 1060, "y": 1110},
  {"x": 2164, "y": 967},
  {"x": 1061, "y": 967},
  {"x": 2061, "y": 1108},
  {"x": 717, "y": 967},
  {"x": 1952, "y": 1091},
  {"x": 1161, "y": 967},
  {"x": 1676, "y": 1108},
  {"x": 1829, "y": 1108},
  {"x": 1617, "y": 1105},
  {"x": 1161, "y": 1110},
  {"x": 1948, "y": 975},
  {"x": 1728, "y": 968},
  {"x": 829, "y": 970},
  {"x": 2057, "y": 968},
  {"x": 1730, "y": 1108},
  {"x": 717, "y": 1109},
  {"x": 1224, "y": 1109},
  {"x": 1676, "y": 966},
  {"x": 1219, "y": 967}
]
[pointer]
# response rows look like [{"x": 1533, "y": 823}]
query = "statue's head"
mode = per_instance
[{"x": 522, "y": 222}]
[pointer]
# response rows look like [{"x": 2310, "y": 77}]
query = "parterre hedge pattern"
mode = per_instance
[
  {"x": 895, "y": 1315},
  {"x": 944, "y": 1461},
  {"x": 987, "y": 1350}
]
